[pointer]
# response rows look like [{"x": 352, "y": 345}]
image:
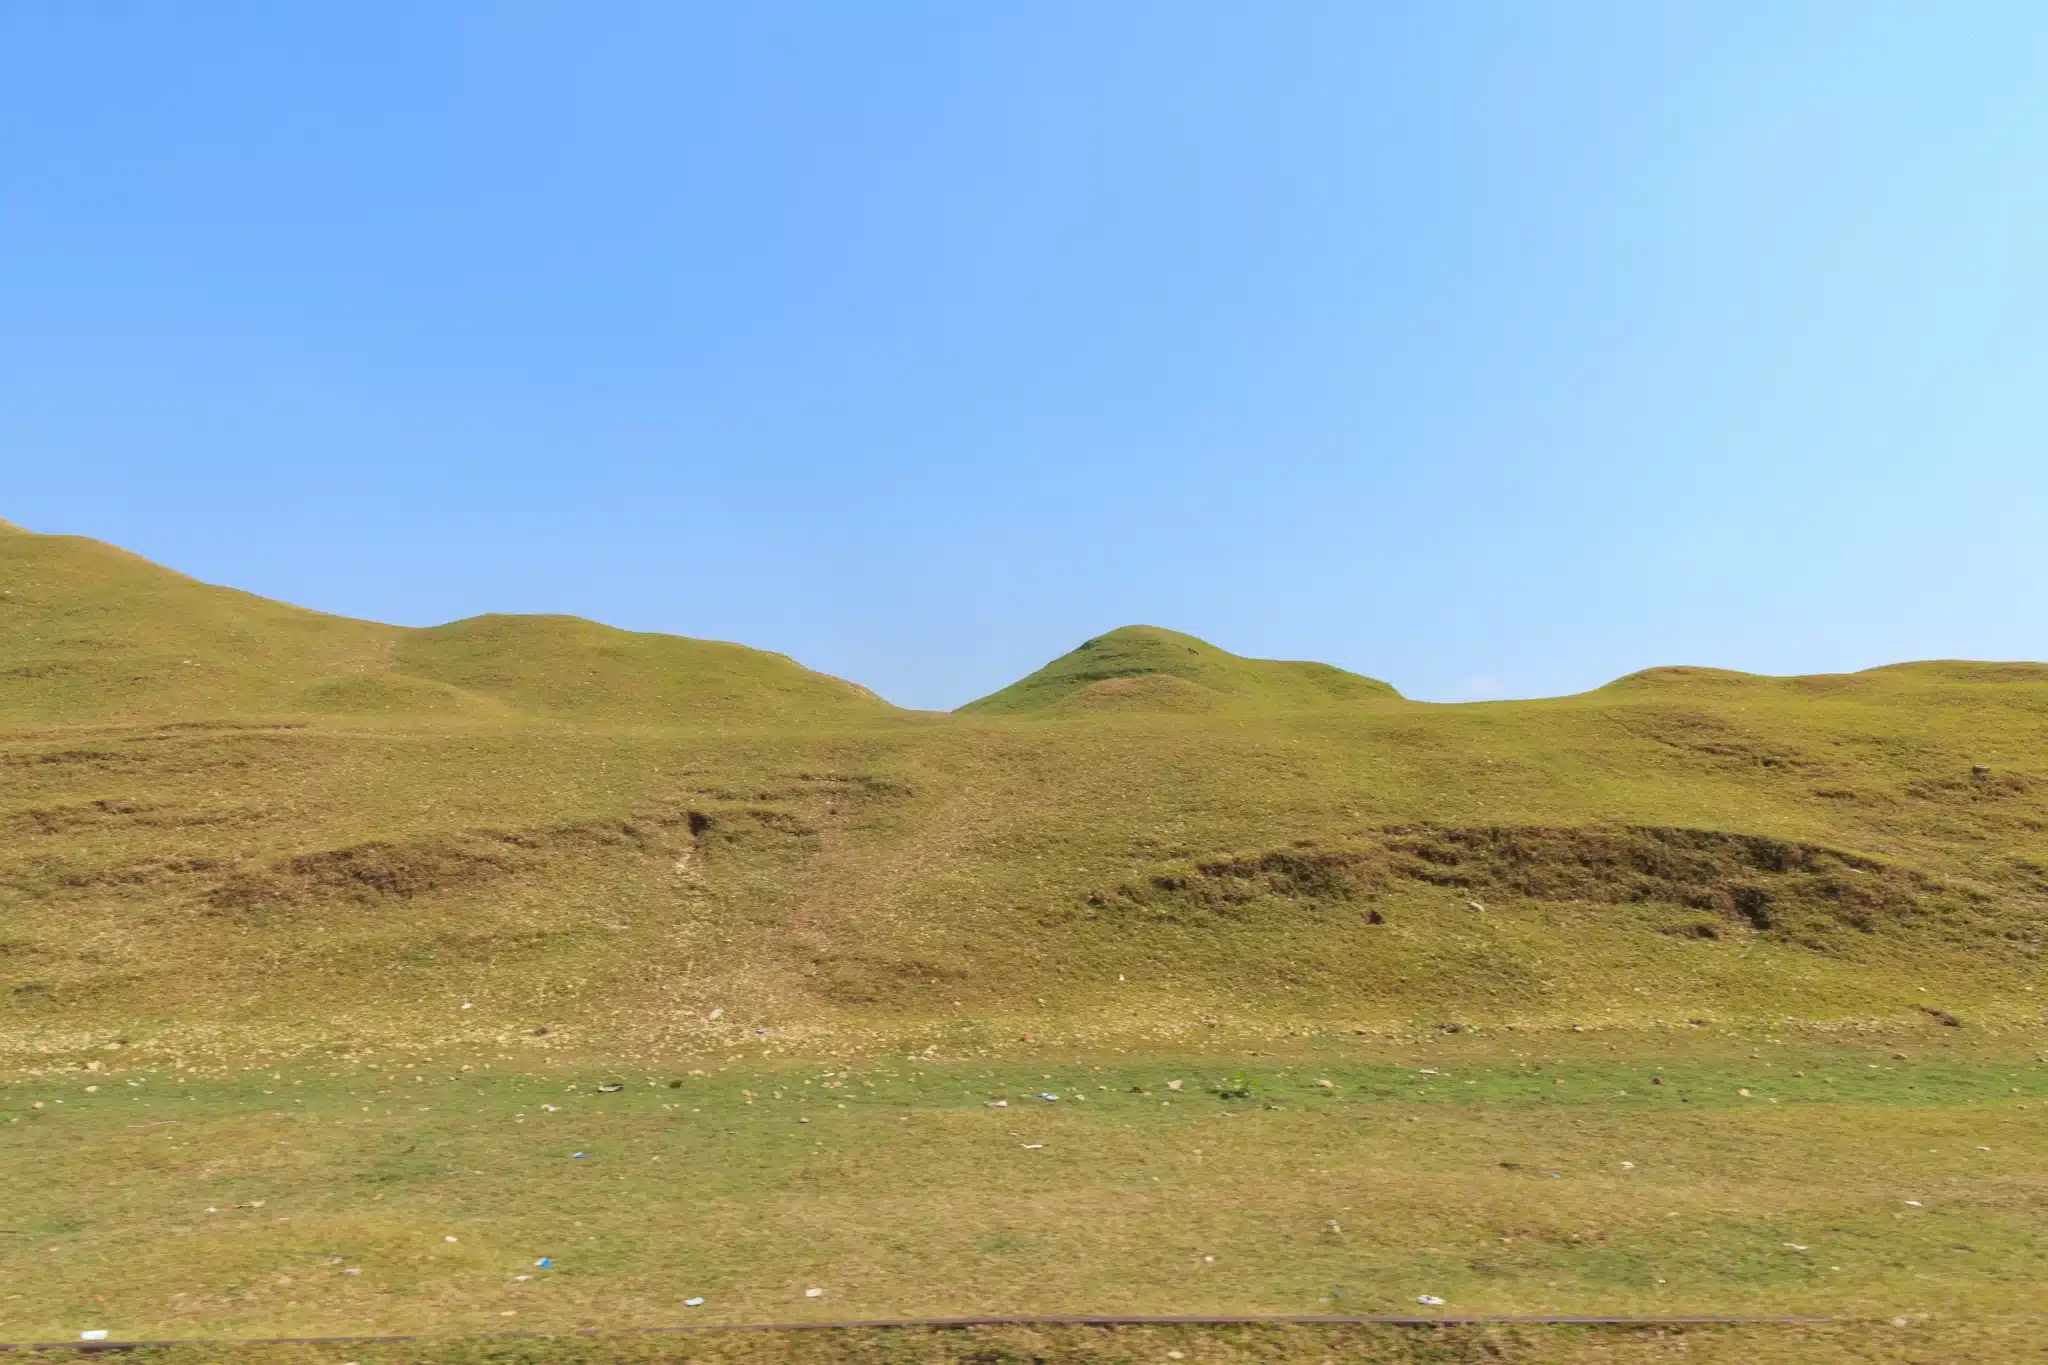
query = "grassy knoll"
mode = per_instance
[
  {"x": 1144, "y": 668},
  {"x": 260, "y": 868}
]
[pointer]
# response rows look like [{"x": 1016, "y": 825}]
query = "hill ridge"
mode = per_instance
[
  {"x": 89, "y": 630},
  {"x": 1147, "y": 668}
]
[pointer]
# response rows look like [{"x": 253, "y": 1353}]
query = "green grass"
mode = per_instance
[
  {"x": 236, "y": 1205},
  {"x": 1144, "y": 668},
  {"x": 238, "y": 839},
  {"x": 88, "y": 631}
]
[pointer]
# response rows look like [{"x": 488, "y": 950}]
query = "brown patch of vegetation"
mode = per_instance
[
  {"x": 364, "y": 873},
  {"x": 1969, "y": 790},
  {"x": 1731, "y": 881},
  {"x": 1706, "y": 735}
]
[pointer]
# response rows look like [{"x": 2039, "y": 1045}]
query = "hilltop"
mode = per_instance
[
  {"x": 1144, "y": 668},
  {"x": 89, "y": 632}
]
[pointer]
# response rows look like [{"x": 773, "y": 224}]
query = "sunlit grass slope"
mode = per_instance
[
  {"x": 328, "y": 829},
  {"x": 1144, "y": 668},
  {"x": 347, "y": 971},
  {"x": 89, "y": 632}
]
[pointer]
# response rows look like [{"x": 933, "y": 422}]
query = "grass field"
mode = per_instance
[{"x": 270, "y": 881}]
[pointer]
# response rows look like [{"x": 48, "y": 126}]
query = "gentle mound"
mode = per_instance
[
  {"x": 1145, "y": 668},
  {"x": 567, "y": 666},
  {"x": 89, "y": 632}
]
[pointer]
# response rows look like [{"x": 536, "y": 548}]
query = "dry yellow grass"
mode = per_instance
[{"x": 240, "y": 840}]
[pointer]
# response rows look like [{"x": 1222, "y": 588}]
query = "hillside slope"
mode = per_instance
[
  {"x": 89, "y": 633},
  {"x": 1145, "y": 668},
  {"x": 328, "y": 830}
]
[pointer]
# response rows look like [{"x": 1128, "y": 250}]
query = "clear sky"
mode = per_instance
[{"x": 1493, "y": 349}]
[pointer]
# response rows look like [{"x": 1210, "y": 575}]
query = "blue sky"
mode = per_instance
[{"x": 1490, "y": 349}]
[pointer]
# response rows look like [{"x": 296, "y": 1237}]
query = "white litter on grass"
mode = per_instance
[
  {"x": 1432, "y": 1300},
  {"x": 466, "y": 1005},
  {"x": 1033, "y": 1146},
  {"x": 1173, "y": 1085},
  {"x": 447, "y": 1239},
  {"x": 96, "y": 1334},
  {"x": 814, "y": 1293},
  {"x": 693, "y": 1303},
  {"x": 353, "y": 1270},
  {"x": 1795, "y": 1246},
  {"x": 1914, "y": 1203}
]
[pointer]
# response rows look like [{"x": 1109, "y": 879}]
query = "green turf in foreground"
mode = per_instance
[{"x": 237, "y": 1206}]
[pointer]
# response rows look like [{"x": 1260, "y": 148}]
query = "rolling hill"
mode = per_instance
[
  {"x": 1144, "y": 668},
  {"x": 378, "y": 964},
  {"x": 221, "y": 808},
  {"x": 89, "y": 632}
]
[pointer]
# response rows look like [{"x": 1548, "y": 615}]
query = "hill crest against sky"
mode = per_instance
[{"x": 92, "y": 629}]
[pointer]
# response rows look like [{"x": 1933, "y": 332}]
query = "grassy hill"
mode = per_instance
[
  {"x": 220, "y": 808},
  {"x": 390, "y": 888},
  {"x": 1144, "y": 668},
  {"x": 89, "y": 632}
]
